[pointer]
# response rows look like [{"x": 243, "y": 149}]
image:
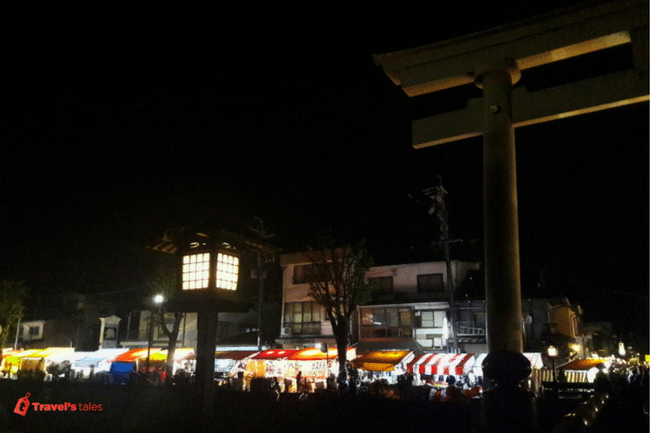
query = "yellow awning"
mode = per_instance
[
  {"x": 179, "y": 354},
  {"x": 15, "y": 359},
  {"x": 314, "y": 354},
  {"x": 384, "y": 360}
]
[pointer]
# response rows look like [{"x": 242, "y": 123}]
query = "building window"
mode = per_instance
[
  {"x": 34, "y": 331},
  {"x": 430, "y": 283},
  {"x": 303, "y": 273},
  {"x": 196, "y": 269},
  {"x": 381, "y": 284},
  {"x": 300, "y": 274},
  {"x": 392, "y": 322},
  {"x": 431, "y": 319},
  {"x": 302, "y": 317}
]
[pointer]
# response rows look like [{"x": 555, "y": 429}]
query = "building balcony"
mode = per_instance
[
  {"x": 470, "y": 328},
  {"x": 386, "y": 332}
]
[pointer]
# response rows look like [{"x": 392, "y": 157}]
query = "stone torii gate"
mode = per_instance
[{"x": 494, "y": 60}]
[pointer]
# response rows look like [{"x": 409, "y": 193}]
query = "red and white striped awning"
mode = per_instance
[{"x": 441, "y": 363}]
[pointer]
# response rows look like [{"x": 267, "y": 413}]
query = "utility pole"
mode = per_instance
[
  {"x": 261, "y": 276},
  {"x": 437, "y": 194},
  {"x": 261, "y": 271}
]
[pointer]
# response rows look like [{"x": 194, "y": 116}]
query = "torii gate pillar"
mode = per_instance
[
  {"x": 501, "y": 227},
  {"x": 506, "y": 407}
]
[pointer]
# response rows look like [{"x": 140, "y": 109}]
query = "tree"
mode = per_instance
[
  {"x": 164, "y": 282},
  {"x": 337, "y": 281},
  {"x": 12, "y": 297}
]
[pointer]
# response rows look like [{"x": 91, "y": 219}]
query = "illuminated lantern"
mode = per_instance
[{"x": 207, "y": 265}]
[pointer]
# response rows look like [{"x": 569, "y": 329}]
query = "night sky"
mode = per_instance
[{"x": 121, "y": 121}]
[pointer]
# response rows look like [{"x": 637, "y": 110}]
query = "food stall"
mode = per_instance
[
  {"x": 315, "y": 365},
  {"x": 11, "y": 363},
  {"x": 583, "y": 370},
  {"x": 98, "y": 361},
  {"x": 231, "y": 362},
  {"x": 439, "y": 366},
  {"x": 384, "y": 364},
  {"x": 5, "y": 367},
  {"x": 38, "y": 362},
  {"x": 182, "y": 360},
  {"x": 61, "y": 364},
  {"x": 268, "y": 364},
  {"x": 128, "y": 363}
]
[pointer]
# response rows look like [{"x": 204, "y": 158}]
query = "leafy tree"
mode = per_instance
[
  {"x": 12, "y": 297},
  {"x": 337, "y": 281}
]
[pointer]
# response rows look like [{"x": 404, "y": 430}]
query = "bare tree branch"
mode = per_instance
[{"x": 337, "y": 282}]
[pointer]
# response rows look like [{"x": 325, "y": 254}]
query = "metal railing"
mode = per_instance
[
  {"x": 470, "y": 328},
  {"x": 386, "y": 332}
]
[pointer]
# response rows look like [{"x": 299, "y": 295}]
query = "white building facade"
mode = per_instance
[{"x": 410, "y": 307}]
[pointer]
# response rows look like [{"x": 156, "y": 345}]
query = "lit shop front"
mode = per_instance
[
  {"x": 269, "y": 363},
  {"x": 311, "y": 365},
  {"x": 315, "y": 365}
]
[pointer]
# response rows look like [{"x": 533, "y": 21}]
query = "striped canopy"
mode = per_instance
[{"x": 441, "y": 363}]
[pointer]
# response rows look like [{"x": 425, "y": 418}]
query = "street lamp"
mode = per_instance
[
  {"x": 157, "y": 300},
  {"x": 210, "y": 263},
  {"x": 203, "y": 270},
  {"x": 209, "y": 276}
]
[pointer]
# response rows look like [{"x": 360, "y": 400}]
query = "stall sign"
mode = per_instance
[{"x": 312, "y": 369}]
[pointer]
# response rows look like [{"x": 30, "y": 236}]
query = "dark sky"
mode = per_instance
[{"x": 121, "y": 121}]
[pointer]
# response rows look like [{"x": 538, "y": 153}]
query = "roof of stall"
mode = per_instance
[
  {"x": 101, "y": 355},
  {"x": 51, "y": 352},
  {"x": 71, "y": 356},
  {"x": 314, "y": 354},
  {"x": 584, "y": 364},
  {"x": 275, "y": 354},
  {"x": 384, "y": 360},
  {"x": 236, "y": 355},
  {"x": 17, "y": 356},
  {"x": 441, "y": 363},
  {"x": 134, "y": 354},
  {"x": 9, "y": 352},
  {"x": 180, "y": 354}
]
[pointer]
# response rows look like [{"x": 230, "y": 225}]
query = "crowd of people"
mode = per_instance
[{"x": 627, "y": 384}]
